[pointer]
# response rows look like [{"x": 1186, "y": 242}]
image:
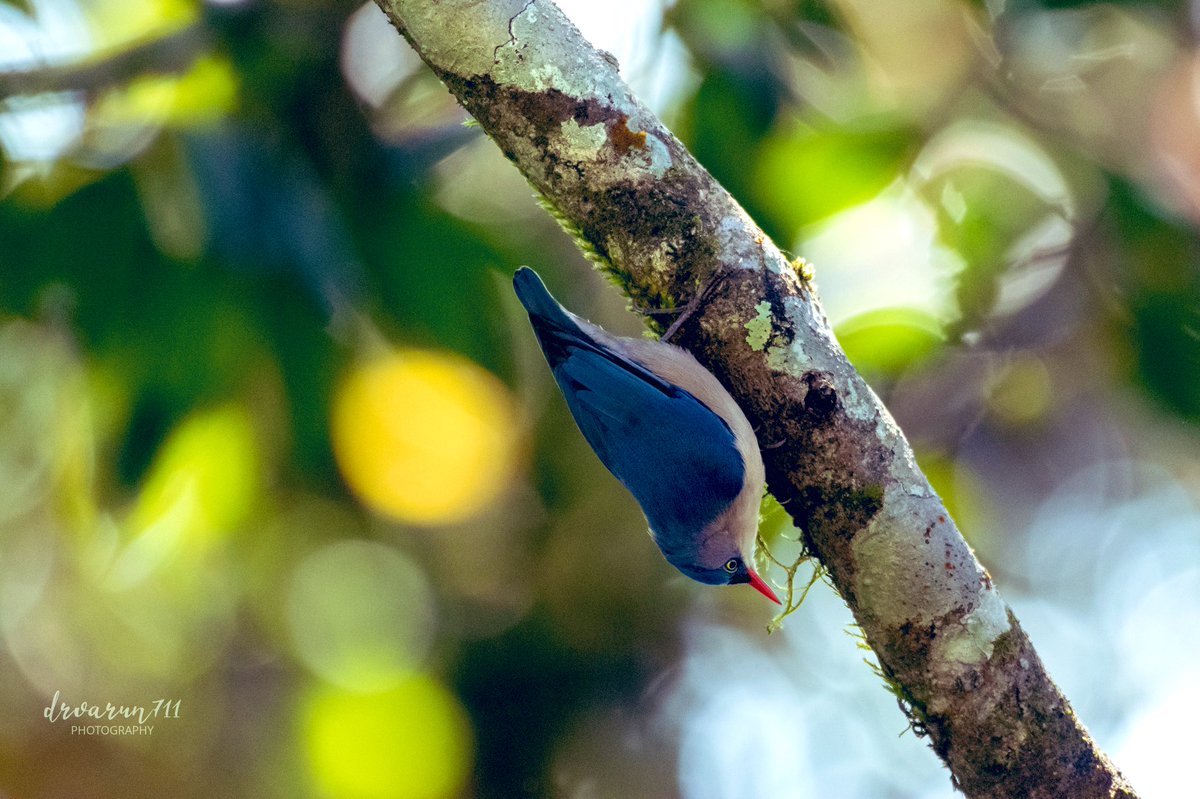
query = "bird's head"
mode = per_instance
[{"x": 719, "y": 560}]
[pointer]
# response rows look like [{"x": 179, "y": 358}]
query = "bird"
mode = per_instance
[{"x": 667, "y": 429}]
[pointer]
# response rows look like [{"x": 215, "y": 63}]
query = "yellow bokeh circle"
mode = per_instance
[
  {"x": 411, "y": 742},
  {"x": 424, "y": 437}
]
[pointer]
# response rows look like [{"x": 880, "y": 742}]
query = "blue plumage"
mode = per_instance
[
  {"x": 661, "y": 443},
  {"x": 681, "y": 460}
]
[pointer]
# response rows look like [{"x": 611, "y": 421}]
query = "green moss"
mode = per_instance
[
  {"x": 590, "y": 251},
  {"x": 853, "y": 508},
  {"x": 804, "y": 270},
  {"x": 913, "y": 710},
  {"x": 794, "y": 596}
]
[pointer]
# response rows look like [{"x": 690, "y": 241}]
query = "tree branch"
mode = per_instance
[
  {"x": 945, "y": 639},
  {"x": 165, "y": 54}
]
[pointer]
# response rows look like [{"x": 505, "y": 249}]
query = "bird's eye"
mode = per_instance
[{"x": 731, "y": 565}]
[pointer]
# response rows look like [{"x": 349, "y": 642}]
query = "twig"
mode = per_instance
[{"x": 168, "y": 54}]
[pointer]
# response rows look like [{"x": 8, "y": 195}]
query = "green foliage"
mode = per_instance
[
  {"x": 21, "y": 5},
  {"x": 803, "y": 176},
  {"x": 887, "y": 342},
  {"x": 1162, "y": 285}
]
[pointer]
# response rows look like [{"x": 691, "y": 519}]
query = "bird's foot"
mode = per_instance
[{"x": 683, "y": 314}]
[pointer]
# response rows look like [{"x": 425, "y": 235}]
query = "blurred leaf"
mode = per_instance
[
  {"x": 720, "y": 30},
  {"x": 1021, "y": 394},
  {"x": 211, "y": 464},
  {"x": 740, "y": 92},
  {"x": 725, "y": 122},
  {"x": 803, "y": 176},
  {"x": 526, "y": 685},
  {"x": 360, "y": 615},
  {"x": 994, "y": 210},
  {"x": 119, "y": 22},
  {"x": 886, "y": 342},
  {"x": 206, "y": 92},
  {"x": 818, "y": 11},
  {"x": 1160, "y": 279},
  {"x": 24, "y": 6},
  {"x": 431, "y": 273},
  {"x": 1168, "y": 340},
  {"x": 983, "y": 214},
  {"x": 202, "y": 485}
]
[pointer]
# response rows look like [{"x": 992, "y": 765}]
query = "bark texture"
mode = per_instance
[{"x": 969, "y": 675}]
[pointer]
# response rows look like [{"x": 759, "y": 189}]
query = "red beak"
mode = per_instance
[{"x": 762, "y": 588}]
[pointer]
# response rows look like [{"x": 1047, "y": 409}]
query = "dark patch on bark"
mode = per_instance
[
  {"x": 821, "y": 400},
  {"x": 839, "y": 510},
  {"x": 829, "y": 516},
  {"x": 839, "y": 475},
  {"x": 911, "y": 648},
  {"x": 537, "y": 114},
  {"x": 652, "y": 220},
  {"x": 511, "y": 114}
]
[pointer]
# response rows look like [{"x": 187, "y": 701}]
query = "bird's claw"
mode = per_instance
[{"x": 684, "y": 313}]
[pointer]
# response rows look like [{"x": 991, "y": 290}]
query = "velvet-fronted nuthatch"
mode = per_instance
[{"x": 668, "y": 430}]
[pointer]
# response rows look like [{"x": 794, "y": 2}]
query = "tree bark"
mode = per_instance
[{"x": 969, "y": 676}]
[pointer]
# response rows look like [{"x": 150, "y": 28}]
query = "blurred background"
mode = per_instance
[{"x": 276, "y": 442}]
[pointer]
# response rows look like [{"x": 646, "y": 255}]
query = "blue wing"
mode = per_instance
[{"x": 677, "y": 457}]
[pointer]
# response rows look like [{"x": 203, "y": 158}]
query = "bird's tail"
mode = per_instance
[
  {"x": 542, "y": 307},
  {"x": 557, "y": 330}
]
